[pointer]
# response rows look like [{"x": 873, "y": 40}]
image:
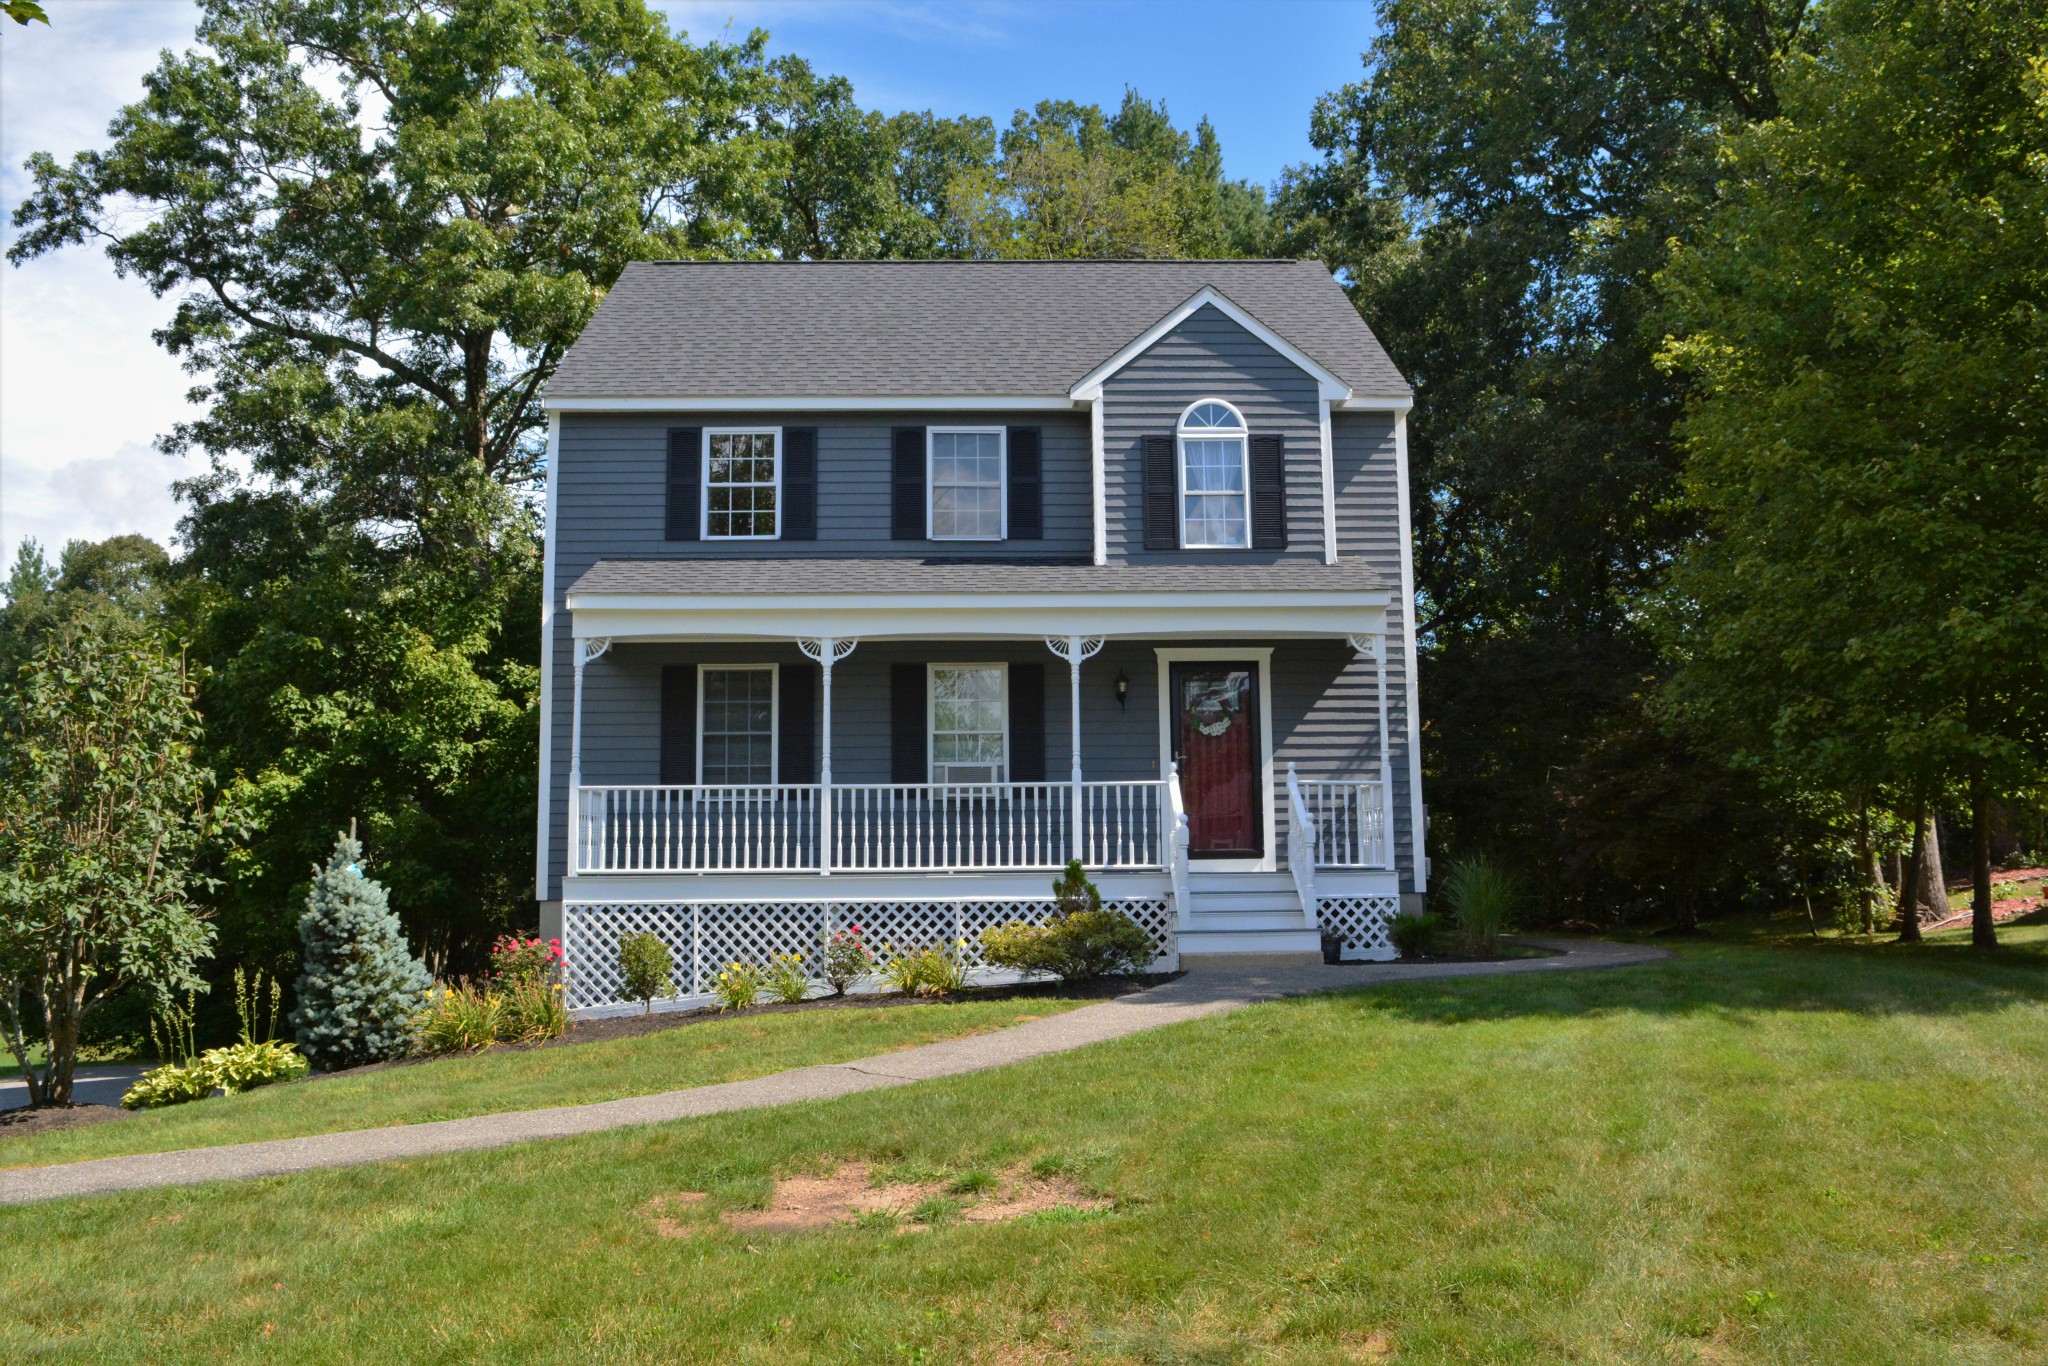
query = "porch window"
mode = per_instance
[
  {"x": 1215, "y": 500},
  {"x": 970, "y": 730},
  {"x": 737, "y": 726},
  {"x": 967, "y": 483},
  {"x": 742, "y": 485}
]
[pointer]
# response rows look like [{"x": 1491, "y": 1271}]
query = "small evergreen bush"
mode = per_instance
[
  {"x": 1084, "y": 943},
  {"x": 361, "y": 988},
  {"x": 646, "y": 969},
  {"x": 1413, "y": 933}
]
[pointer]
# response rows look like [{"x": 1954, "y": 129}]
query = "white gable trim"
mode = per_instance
[
  {"x": 1090, "y": 385},
  {"x": 1388, "y": 403},
  {"x": 812, "y": 403}
]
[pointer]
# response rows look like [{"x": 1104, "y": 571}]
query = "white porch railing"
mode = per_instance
[
  {"x": 874, "y": 827},
  {"x": 1350, "y": 818}
]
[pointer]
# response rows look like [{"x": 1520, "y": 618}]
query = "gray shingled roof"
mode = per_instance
[
  {"x": 957, "y": 575},
  {"x": 879, "y": 328}
]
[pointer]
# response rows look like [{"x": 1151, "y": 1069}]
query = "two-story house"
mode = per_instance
[{"x": 877, "y": 590}]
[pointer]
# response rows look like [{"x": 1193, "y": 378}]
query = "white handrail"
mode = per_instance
[
  {"x": 1301, "y": 848},
  {"x": 1177, "y": 841}
]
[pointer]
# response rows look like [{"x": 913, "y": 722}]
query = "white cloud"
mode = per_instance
[{"x": 84, "y": 392}]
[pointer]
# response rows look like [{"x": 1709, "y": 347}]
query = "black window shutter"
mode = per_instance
[
  {"x": 685, "y": 466},
  {"x": 906, "y": 482},
  {"x": 1162, "y": 497},
  {"x": 1027, "y": 485},
  {"x": 907, "y": 742},
  {"x": 796, "y": 756},
  {"x": 1027, "y": 723},
  {"x": 800, "y": 485},
  {"x": 1269, "y": 493},
  {"x": 679, "y": 724}
]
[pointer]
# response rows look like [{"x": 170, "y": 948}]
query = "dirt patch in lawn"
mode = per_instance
[
  {"x": 854, "y": 1194},
  {"x": 28, "y": 1119}
]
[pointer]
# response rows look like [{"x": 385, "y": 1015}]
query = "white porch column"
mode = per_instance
[
  {"x": 1377, "y": 646},
  {"x": 1074, "y": 649},
  {"x": 827, "y": 650},
  {"x": 586, "y": 650}
]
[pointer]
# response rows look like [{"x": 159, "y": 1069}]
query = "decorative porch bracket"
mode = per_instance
[
  {"x": 588, "y": 649},
  {"x": 1074, "y": 649},
  {"x": 1376, "y": 646},
  {"x": 827, "y": 651}
]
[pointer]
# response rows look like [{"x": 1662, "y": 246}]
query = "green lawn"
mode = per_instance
[
  {"x": 1819, "y": 1154},
  {"x": 519, "y": 1079}
]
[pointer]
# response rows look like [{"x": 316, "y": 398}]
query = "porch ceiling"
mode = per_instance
[{"x": 958, "y": 598}]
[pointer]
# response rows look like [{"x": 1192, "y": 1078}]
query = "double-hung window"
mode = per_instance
[
  {"x": 970, "y": 724},
  {"x": 742, "y": 484},
  {"x": 1215, "y": 497},
  {"x": 736, "y": 726},
  {"x": 966, "y": 480}
]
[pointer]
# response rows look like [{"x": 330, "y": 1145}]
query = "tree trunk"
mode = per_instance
[
  {"x": 1933, "y": 881},
  {"x": 1983, "y": 928},
  {"x": 1870, "y": 875},
  {"x": 1909, "y": 878}
]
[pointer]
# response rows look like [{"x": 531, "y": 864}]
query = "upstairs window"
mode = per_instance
[
  {"x": 742, "y": 485},
  {"x": 966, "y": 476},
  {"x": 737, "y": 726},
  {"x": 1215, "y": 498},
  {"x": 970, "y": 730}
]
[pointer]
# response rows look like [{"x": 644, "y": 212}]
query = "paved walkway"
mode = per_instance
[{"x": 1209, "y": 990}]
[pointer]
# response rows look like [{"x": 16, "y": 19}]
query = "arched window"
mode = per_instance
[{"x": 1215, "y": 497}]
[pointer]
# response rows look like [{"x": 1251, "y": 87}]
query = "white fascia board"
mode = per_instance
[
  {"x": 1417, "y": 812},
  {"x": 547, "y": 661},
  {"x": 977, "y": 616},
  {"x": 856, "y": 403},
  {"x": 1090, "y": 385},
  {"x": 1366, "y": 403}
]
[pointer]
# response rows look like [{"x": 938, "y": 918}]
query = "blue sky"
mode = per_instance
[{"x": 84, "y": 392}]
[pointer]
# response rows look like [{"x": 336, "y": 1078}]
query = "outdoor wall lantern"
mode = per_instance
[{"x": 1123, "y": 689}]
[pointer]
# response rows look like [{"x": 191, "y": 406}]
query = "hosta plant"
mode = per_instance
[
  {"x": 172, "y": 1084},
  {"x": 249, "y": 1064}
]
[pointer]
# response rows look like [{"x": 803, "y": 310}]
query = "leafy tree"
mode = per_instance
[
  {"x": 384, "y": 222},
  {"x": 124, "y": 579},
  {"x": 103, "y": 804},
  {"x": 1499, "y": 191},
  {"x": 360, "y": 988},
  {"x": 24, "y": 11},
  {"x": 1861, "y": 318}
]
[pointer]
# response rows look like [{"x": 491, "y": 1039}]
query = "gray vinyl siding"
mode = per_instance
[
  {"x": 1367, "y": 481},
  {"x": 1210, "y": 356},
  {"x": 613, "y": 480}
]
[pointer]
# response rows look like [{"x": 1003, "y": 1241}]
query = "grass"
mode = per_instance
[
  {"x": 1803, "y": 1153},
  {"x": 519, "y": 1079}
]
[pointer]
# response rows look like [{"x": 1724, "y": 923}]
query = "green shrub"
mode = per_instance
[
  {"x": 360, "y": 990},
  {"x": 737, "y": 987},
  {"x": 1078, "y": 947},
  {"x": 252, "y": 1063},
  {"x": 531, "y": 1011},
  {"x": 1413, "y": 933},
  {"x": 647, "y": 969},
  {"x": 935, "y": 971},
  {"x": 457, "y": 1019},
  {"x": 1073, "y": 893},
  {"x": 786, "y": 979},
  {"x": 847, "y": 959},
  {"x": 172, "y": 1084},
  {"x": 1481, "y": 895}
]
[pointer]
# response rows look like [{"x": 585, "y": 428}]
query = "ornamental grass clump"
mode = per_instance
[
  {"x": 646, "y": 969},
  {"x": 360, "y": 991},
  {"x": 847, "y": 959},
  {"x": 1482, "y": 896}
]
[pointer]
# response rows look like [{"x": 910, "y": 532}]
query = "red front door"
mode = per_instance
[{"x": 1216, "y": 744}]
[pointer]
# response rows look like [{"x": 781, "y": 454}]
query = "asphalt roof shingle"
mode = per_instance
[
  {"x": 743, "y": 329},
  {"x": 957, "y": 575}
]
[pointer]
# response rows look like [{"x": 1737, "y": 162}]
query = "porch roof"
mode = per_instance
[{"x": 962, "y": 597}]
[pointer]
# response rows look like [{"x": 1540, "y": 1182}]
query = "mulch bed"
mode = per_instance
[
  {"x": 20, "y": 1123},
  {"x": 633, "y": 1026}
]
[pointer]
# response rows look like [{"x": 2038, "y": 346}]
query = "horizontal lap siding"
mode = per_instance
[
  {"x": 609, "y": 504},
  {"x": 1210, "y": 356},
  {"x": 1369, "y": 526}
]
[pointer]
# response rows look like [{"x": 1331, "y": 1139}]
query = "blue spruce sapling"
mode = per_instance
[{"x": 361, "y": 987}]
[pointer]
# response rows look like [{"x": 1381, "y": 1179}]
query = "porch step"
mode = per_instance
[
  {"x": 1206, "y": 916},
  {"x": 1229, "y": 902},
  {"x": 1196, "y": 943},
  {"x": 1199, "y": 882}
]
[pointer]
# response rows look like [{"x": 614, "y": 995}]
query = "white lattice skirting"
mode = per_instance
[
  {"x": 1360, "y": 923},
  {"x": 705, "y": 936}
]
